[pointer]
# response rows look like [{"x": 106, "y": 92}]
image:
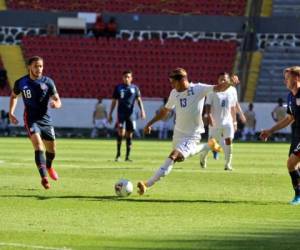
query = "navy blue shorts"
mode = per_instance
[
  {"x": 125, "y": 122},
  {"x": 46, "y": 131},
  {"x": 295, "y": 147}
]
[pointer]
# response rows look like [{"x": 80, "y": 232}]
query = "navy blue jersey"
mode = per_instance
[
  {"x": 293, "y": 108},
  {"x": 36, "y": 94},
  {"x": 126, "y": 96}
]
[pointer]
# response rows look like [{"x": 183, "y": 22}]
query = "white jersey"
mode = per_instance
[
  {"x": 221, "y": 103},
  {"x": 188, "y": 107}
]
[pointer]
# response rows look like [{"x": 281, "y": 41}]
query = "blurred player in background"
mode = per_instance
[
  {"x": 164, "y": 124},
  {"x": 292, "y": 81},
  {"x": 99, "y": 120},
  {"x": 250, "y": 125},
  {"x": 188, "y": 100},
  {"x": 125, "y": 95},
  {"x": 279, "y": 113},
  {"x": 37, "y": 92},
  {"x": 220, "y": 109}
]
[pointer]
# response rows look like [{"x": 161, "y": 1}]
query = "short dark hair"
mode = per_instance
[
  {"x": 34, "y": 59},
  {"x": 127, "y": 71},
  {"x": 223, "y": 73},
  {"x": 178, "y": 74}
]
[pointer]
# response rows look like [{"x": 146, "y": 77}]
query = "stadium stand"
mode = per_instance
[
  {"x": 200, "y": 7},
  {"x": 286, "y": 8},
  {"x": 86, "y": 68},
  {"x": 270, "y": 84},
  {"x": 4, "y": 87}
]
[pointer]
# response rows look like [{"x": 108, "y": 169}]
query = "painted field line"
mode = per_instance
[{"x": 31, "y": 246}]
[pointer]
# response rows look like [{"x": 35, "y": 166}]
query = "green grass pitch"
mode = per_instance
[{"x": 190, "y": 209}]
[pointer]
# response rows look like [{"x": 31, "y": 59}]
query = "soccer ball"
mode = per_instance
[{"x": 123, "y": 188}]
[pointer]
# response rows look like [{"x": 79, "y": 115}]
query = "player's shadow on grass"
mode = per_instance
[{"x": 141, "y": 200}]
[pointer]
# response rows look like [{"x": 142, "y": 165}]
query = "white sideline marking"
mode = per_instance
[{"x": 31, "y": 246}]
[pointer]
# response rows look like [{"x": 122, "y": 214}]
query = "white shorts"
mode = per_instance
[
  {"x": 187, "y": 146},
  {"x": 101, "y": 123},
  {"x": 224, "y": 131}
]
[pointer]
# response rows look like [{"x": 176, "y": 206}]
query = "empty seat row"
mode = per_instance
[
  {"x": 94, "y": 72},
  {"x": 201, "y": 7}
]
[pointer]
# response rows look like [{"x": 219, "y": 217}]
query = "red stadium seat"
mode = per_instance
[
  {"x": 202, "y": 7},
  {"x": 88, "y": 70}
]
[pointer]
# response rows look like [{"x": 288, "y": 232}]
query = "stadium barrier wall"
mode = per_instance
[{"x": 77, "y": 113}]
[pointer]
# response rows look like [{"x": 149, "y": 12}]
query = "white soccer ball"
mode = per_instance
[{"x": 123, "y": 188}]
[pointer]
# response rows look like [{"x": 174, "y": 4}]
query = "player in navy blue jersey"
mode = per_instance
[
  {"x": 125, "y": 95},
  {"x": 37, "y": 92},
  {"x": 292, "y": 81}
]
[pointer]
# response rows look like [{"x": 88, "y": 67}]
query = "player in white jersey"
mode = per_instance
[
  {"x": 221, "y": 113},
  {"x": 188, "y": 100}
]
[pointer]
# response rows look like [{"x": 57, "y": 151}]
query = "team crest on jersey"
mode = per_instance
[
  {"x": 298, "y": 101},
  {"x": 44, "y": 86},
  {"x": 132, "y": 90}
]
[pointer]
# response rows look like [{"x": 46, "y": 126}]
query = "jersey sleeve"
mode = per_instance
[
  {"x": 52, "y": 87},
  {"x": 171, "y": 100},
  {"x": 138, "y": 92},
  {"x": 209, "y": 99},
  {"x": 116, "y": 94},
  {"x": 16, "y": 88},
  {"x": 204, "y": 89}
]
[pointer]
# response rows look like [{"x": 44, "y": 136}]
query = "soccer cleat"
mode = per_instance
[
  {"x": 128, "y": 159},
  {"x": 296, "y": 200},
  {"x": 45, "y": 183},
  {"x": 202, "y": 161},
  {"x": 228, "y": 168},
  {"x": 214, "y": 146},
  {"x": 118, "y": 158},
  {"x": 142, "y": 188},
  {"x": 215, "y": 155},
  {"x": 52, "y": 173}
]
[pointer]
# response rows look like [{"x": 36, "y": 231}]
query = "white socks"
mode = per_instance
[
  {"x": 228, "y": 154},
  {"x": 164, "y": 170}
]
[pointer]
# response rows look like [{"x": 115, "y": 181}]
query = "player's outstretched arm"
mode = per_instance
[
  {"x": 12, "y": 106},
  {"x": 266, "y": 133},
  {"x": 159, "y": 116}
]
